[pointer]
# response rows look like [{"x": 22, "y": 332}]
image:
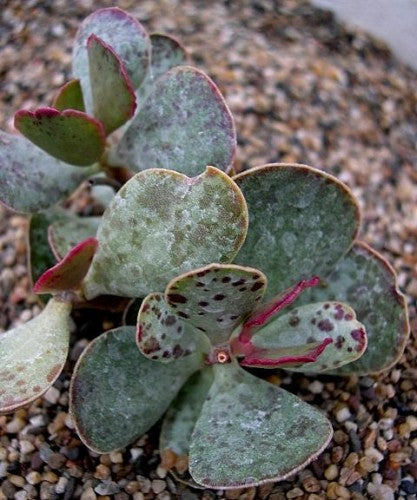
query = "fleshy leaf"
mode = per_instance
[
  {"x": 161, "y": 334},
  {"x": 125, "y": 35},
  {"x": 302, "y": 221},
  {"x": 70, "y": 271},
  {"x": 216, "y": 298},
  {"x": 70, "y": 135},
  {"x": 70, "y": 96},
  {"x": 161, "y": 224},
  {"x": 184, "y": 125},
  {"x": 114, "y": 100},
  {"x": 31, "y": 180},
  {"x": 66, "y": 234},
  {"x": 324, "y": 334},
  {"x": 365, "y": 280},
  {"x": 117, "y": 394},
  {"x": 251, "y": 432},
  {"x": 182, "y": 415},
  {"x": 32, "y": 356}
]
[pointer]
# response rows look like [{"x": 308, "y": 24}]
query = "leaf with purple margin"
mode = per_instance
[
  {"x": 117, "y": 394},
  {"x": 33, "y": 355},
  {"x": 125, "y": 35},
  {"x": 31, "y": 180},
  {"x": 184, "y": 125},
  {"x": 161, "y": 224},
  {"x": 365, "y": 280},
  {"x": 70, "y": 96},
  {"x": 216, "y": 298},
  {"x": 114, "y": 100},
  {"x": 302, "y": 221},
  {"x": 307, "y": 325},
  {"x": 251, "y": 432},
  {"x": 163, "y": 336}
]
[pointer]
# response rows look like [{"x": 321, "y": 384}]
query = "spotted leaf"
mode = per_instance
[
  {"x": 70, "y": 96},
  {"x": 184, "y": 125},
  {"x": 216, "y": 298},
  {"x": 114, "y": 100},
  {"x": 32, "y": 356},
  {"x": 124, "y": 34},
  {"x": 111, "y": 411},
  {"x": 162, "y": 223},
  {"x": 31, "y": 180},
  {"x": 71, "y": 136},
  {"x": 252, "y": 432},
  {"x": 302, "y": 221},
  {"x": 161, "y": 334}
]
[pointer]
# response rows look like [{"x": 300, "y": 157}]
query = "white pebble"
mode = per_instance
[
  {"x": 316, "y": 387},
  {"x": 52, "y": 395},
  {"x": 343, "y": 414},
  {"x": 61, "y": 485}
]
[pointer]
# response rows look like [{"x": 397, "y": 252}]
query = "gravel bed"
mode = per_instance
[{"x": 302, "y": 88}]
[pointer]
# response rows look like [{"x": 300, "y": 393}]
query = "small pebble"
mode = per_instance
[
  {"x": 52, "y": 395},
  {"x": 158, "y": 485},
  {"x": 88, "y": 494},
  {"x": 33, "y": 477}
]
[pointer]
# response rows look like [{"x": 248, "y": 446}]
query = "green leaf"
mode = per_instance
[
  {"x": 70, "y": 96},
  {"x": 125, "y": 35},
  {"x": 71, "y": 136},
  {"x": 365, "y": 280},
  {"x": 302, "y": 221},
  {"x": 251, "y": 432},
  {"x": 70, "y": 271},
  {"x": 216, "y": 298},
  {"x": 161, "y": 334},
  {"x": 114, "y": 100},
  {"x": 33, "y": 355},
  {"x": 180, "y": 419},
  {"x": 31, "y": 180},
  {"x": 311, "y": 338},
  {"x": 117, "y": 394},
  {"x": 184, "y": 125},
  {"x": 162, "y": 223},
  {"x": 65, "y": 234}
]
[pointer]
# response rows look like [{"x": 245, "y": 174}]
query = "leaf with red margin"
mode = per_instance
[
  {"x": 70, "y": 96},
  {"x": 71, "y": 136},
  {"x": 70, "y": 271},
  {"x": 114, "y": 100}
]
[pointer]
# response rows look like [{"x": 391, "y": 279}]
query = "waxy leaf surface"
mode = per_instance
[
  {"x": 365, "y": 280},
  {"x": 216, "y": 298},
  {"x": 31, "y": 180},
  {"x": 32, "y": 356},
  {"x": 65, "y": 234},
  {"x": 251, "y": 432},
  {"x": 70, "y": 96},
  {"x": 125, "y": 35},
  {"x": 117, "y": 394},
  {"x": 161, "y": 224},
  {"x": 114, "y": 100},
  {"x": 71, "y": 136},
  {"x": 302, "y": 221},
  {"x": 308, "y": 325},
  {"x": 184, "y": 125}
]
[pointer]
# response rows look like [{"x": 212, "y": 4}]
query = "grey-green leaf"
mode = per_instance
[
  {"x": 251, "y": 432},
  {"x": 33, "y": 355},
  {"x": 117, "y": 394},
  {"x": 161, "y": 224},
  {"x": 302, "y": 221}
]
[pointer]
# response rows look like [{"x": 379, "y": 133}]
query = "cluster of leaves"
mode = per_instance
[{"x": 167, "y": 240}]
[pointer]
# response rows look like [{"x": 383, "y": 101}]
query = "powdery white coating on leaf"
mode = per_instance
[
  {"x": 70, "y": 96},
  {"x": 216, "y": 298},
  {"x": 161, "y": 224},
  {"x": 124, "y": 34},
  {"x": 32, "y": 356},
  {"x": 117, "y": 394},
  {"x": 184, "y": 125},
  {"x": 30, "y": 179},
  {"x": 70, "y": 136},
  {"x": 302, "y": 221},
  {"x": 250, "y": 432},
  {"x": 365, "y": 280},
  {"x": 314, "y": 323}
]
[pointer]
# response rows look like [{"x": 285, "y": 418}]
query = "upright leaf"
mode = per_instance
[{"x": 70, "y": 96}]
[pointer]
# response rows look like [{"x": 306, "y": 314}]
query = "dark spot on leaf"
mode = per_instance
[
  {"x": 243, "y": 289},
  {"x": 348, "y": 317},
  {"x": 257, "y": 286},
  {"x": 199, "y": 284},
  {"x": 177, "y": 351},
  {"x": 170, "y": 320},
  {"x": 294, "y": 321},
  {"x": 183, "y": 314},
  {"x": 226, "y": 279},
  {"x": 203, "y": 304},
  {"x": 325, "y": 325},
  {"x": 219, "y": 296},
  {"x": 201, "y": 329},
  {"x": 339, "y": 341},
  {"x": 239, "y": 283},
  {"x": 349, "y": 349},
  {"x": 37, "y": 388},
  {"x": 326, "y": 306},
  {"x": 176, "y": 297},
  {"x": 313, "y": 321}
]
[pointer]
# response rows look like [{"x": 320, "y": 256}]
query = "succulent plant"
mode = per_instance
[{"x": 303, "y": 293}]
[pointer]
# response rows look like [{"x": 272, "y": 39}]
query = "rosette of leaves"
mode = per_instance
[{"x": 201, "y": 324}]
